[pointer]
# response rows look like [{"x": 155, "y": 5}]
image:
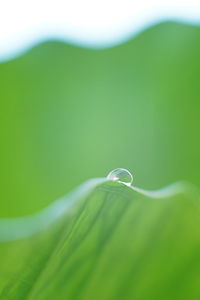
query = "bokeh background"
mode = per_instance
[{"x": 69, "y": 113}]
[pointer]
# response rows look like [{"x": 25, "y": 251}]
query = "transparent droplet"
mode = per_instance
[{"x": 121, "y": 175}]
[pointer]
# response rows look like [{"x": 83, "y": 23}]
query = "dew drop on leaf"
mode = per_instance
[{"x": 121, "y": 175}]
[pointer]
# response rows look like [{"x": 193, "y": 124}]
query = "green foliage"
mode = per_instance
[
  {"x": 69, "y": 114},
  {"x": 114, "y": 244}
]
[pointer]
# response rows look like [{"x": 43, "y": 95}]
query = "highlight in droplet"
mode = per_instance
[{"x": 121, "y": 175}]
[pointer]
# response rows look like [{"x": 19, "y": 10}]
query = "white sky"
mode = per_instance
[{"x": 90, "y": 23}]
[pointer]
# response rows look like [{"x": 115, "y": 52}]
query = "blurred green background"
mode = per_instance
[{"x": 68, "y": 114}]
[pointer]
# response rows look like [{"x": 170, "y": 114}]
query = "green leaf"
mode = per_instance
[
  {"x": 114, "y": 243},
  {"x": 68, "y": 114}
]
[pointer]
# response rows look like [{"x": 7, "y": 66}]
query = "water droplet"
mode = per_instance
[{"x": 121, "y": 175}]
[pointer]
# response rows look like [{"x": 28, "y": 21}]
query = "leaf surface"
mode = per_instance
[{"x": 113, "y": 243}]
